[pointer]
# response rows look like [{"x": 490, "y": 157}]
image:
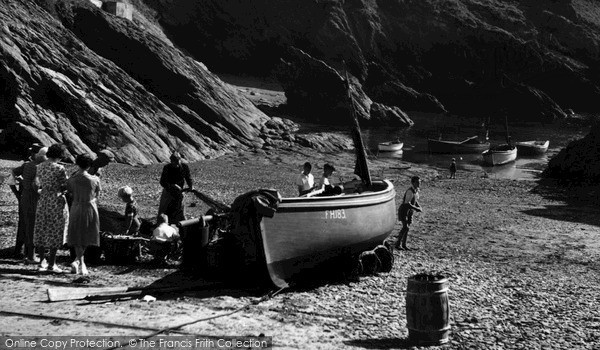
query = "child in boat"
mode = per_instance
[
  {"x": 306, "y": 180},
  {"x": 132, "y": 220},
  {"x": 453, "y": 169},
  {"x": 410, "y": 203}
]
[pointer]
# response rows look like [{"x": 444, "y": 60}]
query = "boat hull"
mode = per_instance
[
  {"x": 532, "y": 147},
  {"x": 492, "y": 157},
  {"x": 390, "y": 146},
  {"x": 440, "y": 146},
  {"x": 308, "y": 232}
]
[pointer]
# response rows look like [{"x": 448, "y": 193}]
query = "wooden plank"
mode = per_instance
[
  {"x": 95, "y": 293},
  {"x": 68, "y": 293}
]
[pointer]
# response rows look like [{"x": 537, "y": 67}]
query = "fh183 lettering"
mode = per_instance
[{"x": 335, "y": 214}]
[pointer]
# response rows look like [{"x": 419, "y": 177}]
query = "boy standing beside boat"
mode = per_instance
[{"x": 410, "y": 203}]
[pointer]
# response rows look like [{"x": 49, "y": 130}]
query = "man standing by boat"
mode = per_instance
[
  {"x": 410, "y": 203},
  {"x": 172, "y": 180}
]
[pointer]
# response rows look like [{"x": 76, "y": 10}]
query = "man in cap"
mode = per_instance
[
  {"x": 104, "y": 158},
  {"x": 173, "y": 178}
]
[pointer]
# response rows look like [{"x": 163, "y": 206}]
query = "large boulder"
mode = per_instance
[
  {"x": 318, "y": 91},
  {"x": 580, "y": 160},
  {"x": 385, "y": 115},
  {"x": 384, "y": 87},
  {"x": 71, "y": 73}
]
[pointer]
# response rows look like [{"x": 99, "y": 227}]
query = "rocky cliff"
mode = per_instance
[
  {"x": 579, "y": 161},
  {"x": 526, "y": 59},
  {"x": 71, "y": 73}
]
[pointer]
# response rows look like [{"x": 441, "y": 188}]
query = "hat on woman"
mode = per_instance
[{"x": 125, "y": 191}]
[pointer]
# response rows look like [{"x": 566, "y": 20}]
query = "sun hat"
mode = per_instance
[{"x": 125, "y": 191}]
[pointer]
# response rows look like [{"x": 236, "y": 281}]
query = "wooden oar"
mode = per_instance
[
  {"x": 210, "y": 201},
  {"x": 67, "y": 293}
]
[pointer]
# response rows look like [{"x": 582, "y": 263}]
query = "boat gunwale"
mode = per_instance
[{"x": 348, "y": 200}]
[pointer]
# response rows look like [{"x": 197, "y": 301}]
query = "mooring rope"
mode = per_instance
[{"x": 266, "y": 297}]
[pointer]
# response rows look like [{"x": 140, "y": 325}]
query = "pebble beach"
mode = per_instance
[{"x": 522, "y": 259}]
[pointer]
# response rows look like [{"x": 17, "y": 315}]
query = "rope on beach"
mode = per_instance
[
  {"x": 266, "y": 297},
  {"x": 68, "y": 319}
]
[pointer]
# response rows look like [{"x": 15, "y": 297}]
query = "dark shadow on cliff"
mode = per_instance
[
  {"x": 380, "y": 343},
  {"x": 580, "y": 201}
]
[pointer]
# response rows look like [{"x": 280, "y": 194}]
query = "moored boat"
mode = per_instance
[
  {"x": 392, "y": 146},
  {"x": 532, "y": 147},
  {"x": 469, "y": 145},
  {"x": 499, "y": 155},
  {"x": 306, "y": 232}
]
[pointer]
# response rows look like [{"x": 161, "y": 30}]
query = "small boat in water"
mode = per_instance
[
  {"x": 532, "y": 147},
  {"x": 308, "y": 231},
  {"x": 392, "y": 146},
  {"x": 500, "y": 154},
  {"x": 470, "y": 145}
]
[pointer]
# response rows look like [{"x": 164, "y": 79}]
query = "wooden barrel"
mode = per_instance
[{"x": 427, "y": 313}]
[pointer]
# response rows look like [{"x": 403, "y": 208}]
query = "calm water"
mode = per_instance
[{"x": 455, "y": 128}]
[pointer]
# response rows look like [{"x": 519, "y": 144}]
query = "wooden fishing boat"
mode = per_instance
[
  {"x": 301, "y": 233},
  {"x": 391, "y": 146},
  {"x": 499, "y": 155},
  {"x": 470, "y": 145},
  {"x": 306, "y": 232},
  {"x": 532, "y": 147}
]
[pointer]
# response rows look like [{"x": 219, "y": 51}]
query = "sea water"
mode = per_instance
[{"x": 456, "y": 128}]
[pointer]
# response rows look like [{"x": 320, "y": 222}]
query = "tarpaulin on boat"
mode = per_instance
[{"x": 248, "y": 210}]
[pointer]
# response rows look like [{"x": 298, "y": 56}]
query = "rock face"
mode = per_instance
[
  {"x": 579, "y": 160},
  {"x": 71, "y": 73},
  {"x": 320, "y": 93},
  {"x": 439, "y": 54}
]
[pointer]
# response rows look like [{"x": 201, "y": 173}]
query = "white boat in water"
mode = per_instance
[
  {"x": 532, "y": 147},
  {"x": 391, "y": 146},
  {"x": 499, "y": 155}
]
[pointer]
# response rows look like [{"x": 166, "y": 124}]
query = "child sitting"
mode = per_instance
[
  {"x": 163, "y": 232},
  {"x": 164, "y": 239},
  {"x": 132, "y": 220}
]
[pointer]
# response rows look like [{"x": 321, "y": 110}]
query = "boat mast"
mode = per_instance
[
  {"x": 361, "y": 168},
  {"x": 508, "y": 140}
]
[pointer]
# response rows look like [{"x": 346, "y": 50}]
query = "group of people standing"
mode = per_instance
[
  {"x": 46, "y": 222},
  {"x": 55, "y": 209}
]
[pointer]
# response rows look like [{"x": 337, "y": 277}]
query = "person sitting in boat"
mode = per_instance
[
  {"x": 453, "y": 169},
  {"x": 306, "y": 180},
  {"x": 325, "y": 186},
  {"x": 132, "y": 220},
  {"x": 410, "y": 203}
]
